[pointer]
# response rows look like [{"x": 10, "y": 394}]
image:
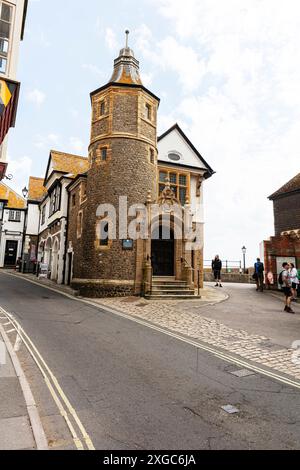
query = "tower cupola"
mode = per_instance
[{"x": 126, "y": 67}]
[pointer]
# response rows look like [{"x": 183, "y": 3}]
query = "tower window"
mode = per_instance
[
  {"x": 102, "y": 108},
  {"x": 148, "y": 112},
  {"x": 79, "y": 224},
  {"x": 104, "y": 154},
  {"x": 152, "y": 159},
  {"x": 73, "y": 200},
  {"x": 104, "y": 234}
]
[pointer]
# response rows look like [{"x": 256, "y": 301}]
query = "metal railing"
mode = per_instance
[{"x": 228, "y": 265}]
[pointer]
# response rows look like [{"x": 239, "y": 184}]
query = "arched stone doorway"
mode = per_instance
[{"x": 163, "y": 251}]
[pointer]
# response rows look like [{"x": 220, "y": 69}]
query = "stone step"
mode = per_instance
[
  {"x": 170, "y": 286},
  {"x": 172, "y": 297},
  {"x": 172, "y": 292}
]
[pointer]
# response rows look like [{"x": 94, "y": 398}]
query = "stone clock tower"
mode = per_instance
[{"x": 123, "y": 162}]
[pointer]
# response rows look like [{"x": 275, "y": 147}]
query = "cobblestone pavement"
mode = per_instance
[{"x": 185, "y": 317}]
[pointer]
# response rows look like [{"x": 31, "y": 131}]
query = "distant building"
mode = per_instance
[
  {"x": 285, "y": 245},
  {"x": 12, "y": 217},
  {"x": 12, "y": 24}
]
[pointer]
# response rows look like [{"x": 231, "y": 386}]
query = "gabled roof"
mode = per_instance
[
  {"x": 14, "y": 200},
  {"x": 36, "y": 190},
  {"x": 290, "y": 187},
  {"x": 66, "y": 163},
  {"x": 177, "y": 128}
]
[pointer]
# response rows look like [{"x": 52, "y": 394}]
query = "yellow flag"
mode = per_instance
[{"x": 5, "y": 94}]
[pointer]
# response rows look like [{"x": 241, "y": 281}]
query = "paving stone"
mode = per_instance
[{"x": 16, "y": 434}]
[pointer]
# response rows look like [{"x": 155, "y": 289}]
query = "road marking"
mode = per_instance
[
  {"x": 221, "y": 355},
  {"x": 32, "y": 410},
  {"x": 54, "y": 387}
]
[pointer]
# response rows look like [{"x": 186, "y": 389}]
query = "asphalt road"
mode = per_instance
[{"x": 134, "y": 388}]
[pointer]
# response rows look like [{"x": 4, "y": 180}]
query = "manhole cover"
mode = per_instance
[{"x": 242, "y": 373}]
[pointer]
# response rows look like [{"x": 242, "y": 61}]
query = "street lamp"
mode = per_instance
[
  {"x": 25, "y": 192},
  {"x": 244, "y": 250}
]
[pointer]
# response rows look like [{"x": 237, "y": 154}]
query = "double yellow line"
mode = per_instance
[{"x": 81, "y": 438}]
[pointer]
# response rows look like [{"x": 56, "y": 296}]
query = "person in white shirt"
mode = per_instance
[{"x": 293, "y": 275}]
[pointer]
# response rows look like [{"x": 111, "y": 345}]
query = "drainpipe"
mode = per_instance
[
  {"x": 66, "y": 240},
  {"x": 23, "y": 238}
]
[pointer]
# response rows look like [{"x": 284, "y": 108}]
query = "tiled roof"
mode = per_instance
[
  {"x": 292, "y": 185},
  {"x": 14, "y": 200},
  {"x": 68, "y": 163},
  {"x": 36, "y": 189}
]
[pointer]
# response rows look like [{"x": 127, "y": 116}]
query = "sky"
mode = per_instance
[{"x": 227, "y": 72}]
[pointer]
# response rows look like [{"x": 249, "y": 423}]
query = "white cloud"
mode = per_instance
[
  {"x": 76, "y": 144},
  {"x": 238, "y": 66},
  {"x": 93, "y": 69},
  {"x": 36, "y": 97},
  {"x": 110, "y": 39},
  {"x": 20, "y": 169},
  {"x": 46, "y": 141}
]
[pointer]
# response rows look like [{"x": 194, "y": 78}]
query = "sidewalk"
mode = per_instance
[
  {"x": 209, "y": 295},
  {"x": 15, "y": 428}
]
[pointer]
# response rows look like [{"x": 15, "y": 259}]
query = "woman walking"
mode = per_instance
[{"x": 293, "y": 274}]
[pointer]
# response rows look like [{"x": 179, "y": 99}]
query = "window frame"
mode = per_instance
[
  {"x": 168, "y": 172},
  {"x": 55, "y": 200},
  {"x": 4, "y": 56},
  {"x": 148, "y": 113},
  {"x": 43, "y": 215},
  {"x": 79, "y": 223},
  {"x": 12, "y": 215},
  {"x": 102, "y": 108},
  {"x": 105, "y": 150}
]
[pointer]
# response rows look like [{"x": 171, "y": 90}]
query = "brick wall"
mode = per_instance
[
  {"x": 287, "y": 213},
  {"x": 281, "y": 246}
]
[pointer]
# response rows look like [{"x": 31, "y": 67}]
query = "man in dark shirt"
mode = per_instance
[
  {"x": 259, "y": 275},
  {"x": 217, "y": 268}
]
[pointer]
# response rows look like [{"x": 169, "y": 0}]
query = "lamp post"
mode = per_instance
[
  {"x": 25, "y": 192},
  {"x": 244, "y": 250}
]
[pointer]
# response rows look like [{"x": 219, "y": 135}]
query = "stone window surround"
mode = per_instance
[
  {"x": 82, "y": 195},
  {"x": 97, "y": 116},
  {"x": 98, "y": 154},
  {"x": 98, "y": 246},
  {"x": 152, "y": 156},
  {"x": 79, "y": 224}
]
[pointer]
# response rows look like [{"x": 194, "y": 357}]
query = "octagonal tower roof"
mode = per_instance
[{"x": 126, "y": 67}]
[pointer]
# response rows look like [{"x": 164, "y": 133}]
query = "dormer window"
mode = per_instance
[{"x": 175, "y": 157}]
